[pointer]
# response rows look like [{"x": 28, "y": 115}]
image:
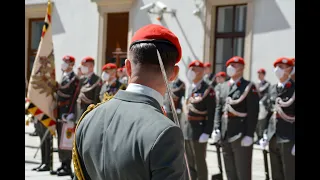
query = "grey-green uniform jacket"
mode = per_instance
[{"x": 129, "y": 138}]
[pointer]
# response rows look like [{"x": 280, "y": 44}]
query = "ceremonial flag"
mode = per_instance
[{"x": 42, "y": 84}]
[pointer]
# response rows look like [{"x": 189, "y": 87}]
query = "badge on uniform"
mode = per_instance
[{"x": 67, "y": 137}]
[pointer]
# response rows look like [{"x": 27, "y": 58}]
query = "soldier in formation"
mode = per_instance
[
  {"x": 263, "y": 86},
  {"x": 280, "y": 130},
  {"x": 200, "y": 110},
  {"x": 178, "y": 90},
  {"x": 111, "y": 83},
  {"x": 66, "y": 97},
  {"x": 209, "y": 77},
  {"x": 90, "y": 86},
  {"x": 235, "y": 120}
]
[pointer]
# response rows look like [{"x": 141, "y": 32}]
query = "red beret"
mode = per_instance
[
  {"x": 235, "y": 59},
  {"x": 195, "y": 63},
  {"x": 109, "y": 66},
  {"x": 222, "y": 74},
  {"x": 261, "y": 70},
  {"x": 87, "y": 59},
  {"x": 68, "y": 58},
  {"x": 120, "y": 69},
  {"x": 294, "y": 61},
  {"x": 154, "y": 32},
  {"x": 284, "y": 60},
  {"x": 207, "y": 65}
]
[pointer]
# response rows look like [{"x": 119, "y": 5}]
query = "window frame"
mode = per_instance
[
  {"x": 31, "y": 52},
  {"x": 227, "y": 35}
]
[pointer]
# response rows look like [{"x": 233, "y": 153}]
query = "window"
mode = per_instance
[
  {"x": 35, "y": 31},
  {"x": 229, "y": 34}
]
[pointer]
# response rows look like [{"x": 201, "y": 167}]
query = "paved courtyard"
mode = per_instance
[{"x": 31, "y": 144}]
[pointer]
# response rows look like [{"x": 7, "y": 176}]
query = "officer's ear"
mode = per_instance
[
  {"x": 174, "y": 73},
  {"x": 128, "y": 67}
]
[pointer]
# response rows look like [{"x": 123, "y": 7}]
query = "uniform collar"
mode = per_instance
[
  {"x": 110, "y": 83},
  {"x": 193, "y": 85},
  {"x": 232, "y": 81},
  {"x": 141, "y": 89},
  {"x": 67, "y": 73},
  {"x": 283, "y": 83}
]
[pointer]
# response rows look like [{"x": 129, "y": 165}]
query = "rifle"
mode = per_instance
[
  {"x": 218, "y": 176},
  {"x": 266, "y": 167}
]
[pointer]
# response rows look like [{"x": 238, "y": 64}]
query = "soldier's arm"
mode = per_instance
[
  {"x": 252, "y": 101},
  {"x": 76, "y": 87},
  {"x": 269, "y": 108},
  {"x": 181, "y": 94},
  {"x": 211, "y": 108},
  {"x": 97, "y": 90},
  {"x": 218, "y": 109},
  {"x": 167, "y": 155}
]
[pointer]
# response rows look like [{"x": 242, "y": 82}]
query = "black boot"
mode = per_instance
[
  {"x": 66, "y": 170},
  {"x": 44, "y": 167},
  {"x": 36, "y": 168},
  {"x": 56, "y": 172}
]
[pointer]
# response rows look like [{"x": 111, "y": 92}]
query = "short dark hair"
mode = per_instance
[{"x": 145, "y": 54}]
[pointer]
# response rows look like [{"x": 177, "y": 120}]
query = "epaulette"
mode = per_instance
[{"x": 75, "y": 156}]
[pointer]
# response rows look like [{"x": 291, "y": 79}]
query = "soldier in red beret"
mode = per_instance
[
  {"x": 263, "y": 88},
  {"x": 209, "y": 77},
  {"x": 90, "y": 85},
  {"x": 200, "y": 110},
  {"x": 122, "y": 75},
  {"x": 111, "y": 83},
  {"x": 236, "y": 120},
  {"x": 129, "y": 137},
  {"x": 280, "y": 130},
  {"x": 66, "y": 101},
  {"x": 221, "y": 77}
]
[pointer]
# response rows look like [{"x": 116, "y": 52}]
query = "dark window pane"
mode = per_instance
[
  {"x": 238, "y": 47},
  {"x": 31, "y": 61},
  {"x": 223, "y": 50},
  {"x": 225, "y": 19},
  {"x": 220, "y": 67},
  {"x": 36, "y": 30},
  {"x": 240, "y": 18}
]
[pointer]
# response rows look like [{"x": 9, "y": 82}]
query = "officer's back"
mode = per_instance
[{"x": 125, "y": 142}]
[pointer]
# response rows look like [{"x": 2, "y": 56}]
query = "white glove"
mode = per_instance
[
  {"x": 178, "y": 111},
  {"x": 216, "y": 135},
  {"x": 204, "y": 138},
  {"x": 246, "y": 141},
  {"x": 293, "y": 151},
  {"x": 70, "y": 117},
  {"x": 263, "y": 142}
]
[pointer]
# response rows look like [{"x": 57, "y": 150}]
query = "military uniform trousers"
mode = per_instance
[
  {"x": 46, "y": 145},
  {"x": 281, "y": 159},
  {"x": 237, "y": 160},
  {"x": 196, "y": 155},
  {"x": 65, "y": 156},
  {"x": 261, "y": 124}
]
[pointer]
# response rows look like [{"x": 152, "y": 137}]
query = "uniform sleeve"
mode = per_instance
[
  {"x": 97, "y": 92},
  {"x": 269, "y": 108},
  {"x": 218, "y": 109},
  {"x": 211, "y": 108},
  {"x": 252, "y": 101},
  {"x": 76, "y": 87},
  {"x": 167, "y": 155}
]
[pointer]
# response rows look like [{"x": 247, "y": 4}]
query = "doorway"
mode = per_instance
[{"x": 117, "y": 38}]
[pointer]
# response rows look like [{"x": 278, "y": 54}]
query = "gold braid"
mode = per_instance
[{"x": 75, "y": 156}]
